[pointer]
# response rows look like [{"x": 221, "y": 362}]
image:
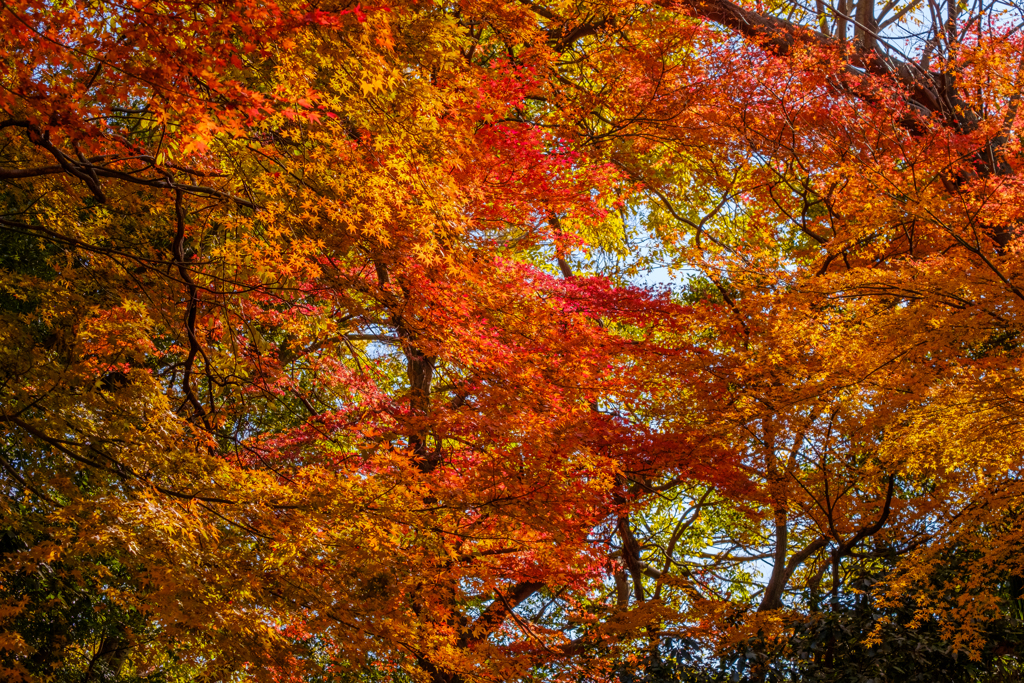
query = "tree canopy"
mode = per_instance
[{"x": 500, "y": 340}]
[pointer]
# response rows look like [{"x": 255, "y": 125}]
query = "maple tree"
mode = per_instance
[
  {"x": 864, "y": 248},
  {"x": 332, "y": 347}
]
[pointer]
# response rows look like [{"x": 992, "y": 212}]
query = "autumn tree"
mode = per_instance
[
  {"x": 332, "y": 337},
  {"x": 847, "y": 195},
  {"x": 291, "y": 386}
]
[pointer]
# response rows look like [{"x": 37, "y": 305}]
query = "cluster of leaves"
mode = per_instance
[{"x": 831, "y": 646}]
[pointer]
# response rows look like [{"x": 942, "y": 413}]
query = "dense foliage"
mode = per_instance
[{"x": 647, "y": 340}]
